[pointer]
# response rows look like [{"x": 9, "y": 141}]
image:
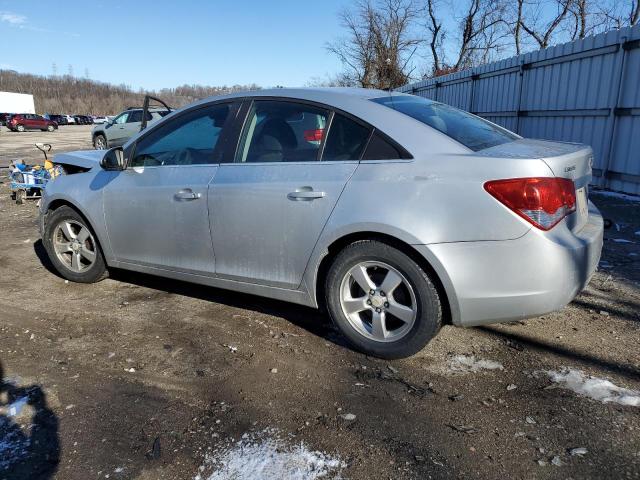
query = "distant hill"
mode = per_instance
[{"x": 71, "y": 95}]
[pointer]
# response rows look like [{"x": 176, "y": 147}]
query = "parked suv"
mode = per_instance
[
  {"x": 116, "y": 132},
  {"x": 30, "y": 121}
]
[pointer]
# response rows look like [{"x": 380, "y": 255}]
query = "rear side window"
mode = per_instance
[
  {"x": 282, "y": 131},
  {"x": 346, "y": 139},
  {"x": 189, "y": 139},
  {"x": 380, "y": 149},
  {"x": 471, "y": 131}
]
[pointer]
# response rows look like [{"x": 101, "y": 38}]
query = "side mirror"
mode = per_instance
[{"x": 113, "y": 159}]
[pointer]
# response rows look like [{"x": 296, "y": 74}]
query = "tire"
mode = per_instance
[
  {"x": 50, "y": 128},
  {"x": 100, "y": 142},
  {"x": 414, "y": 299},
  {"x": 20, "y": 128},
  {"x": 20, "y": 196},
  {"x": 73, "y": 262}
]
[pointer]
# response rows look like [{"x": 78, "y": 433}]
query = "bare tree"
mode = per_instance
[
  {"x": 379, "y": 47},
  {"x": 436, "y": 35},
  {"x": 634, "y": 15},
  {"x": 479, "y": 35},
  {"x": 542, "y": 31}
]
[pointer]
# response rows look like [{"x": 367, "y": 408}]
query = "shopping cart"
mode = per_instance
[{"x": 27, "y": 181}]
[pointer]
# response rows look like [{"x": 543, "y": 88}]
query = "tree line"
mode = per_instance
[
  {"x": 388, "y": 43},
  {"x": 67, "y": 94}
]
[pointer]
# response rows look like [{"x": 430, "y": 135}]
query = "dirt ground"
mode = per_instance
[{"x": 141, "y": 377}]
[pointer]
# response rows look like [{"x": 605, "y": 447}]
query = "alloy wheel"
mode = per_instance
[
  {"x": 74, "y": 245},
  {"x": 378, "y": 301}
]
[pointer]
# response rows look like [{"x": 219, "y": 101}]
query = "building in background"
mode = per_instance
[{"x": 16, "y": 103}]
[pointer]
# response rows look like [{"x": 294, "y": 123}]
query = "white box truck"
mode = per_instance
[{"x": 16, "y": 103}]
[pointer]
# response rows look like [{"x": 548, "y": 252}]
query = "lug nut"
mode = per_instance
[
  {"x": 386, "y": 304},
  {"x": 381, "y": 293},
  {"x": 372, "y": 292},
  {"x": 378, "y": 310},
  {"x": 368, "y": 302}
]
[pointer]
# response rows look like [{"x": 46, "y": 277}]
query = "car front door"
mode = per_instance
[
  {"x": 30, "y": 122},
  {"x": 156, "y": 209},
  {"x": 268, "y": 208},
  {"x": 116, "y": 130}
]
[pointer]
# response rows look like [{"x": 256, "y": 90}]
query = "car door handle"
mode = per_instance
[
  {"x": 187, "y": 194},
  {"x": 305, "y": 194}
]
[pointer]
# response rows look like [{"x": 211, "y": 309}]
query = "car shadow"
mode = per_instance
[
  {"x": 30, "y": 450},
  {"x": 312, "y": 320},
  {"x": 41, "y": 253},
  {"x": 626, "y": 370}
]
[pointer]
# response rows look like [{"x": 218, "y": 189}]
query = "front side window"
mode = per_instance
[
  {"x": 135, "y": 116},
  {"x": 279, "y": 131},
  {"x": 471, "y": 131},
  {"x": 122, "y": 118},
  {"x": 190, "y": 139}
]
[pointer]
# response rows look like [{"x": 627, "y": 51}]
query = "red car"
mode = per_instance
[{"x": 30, "y": 121}]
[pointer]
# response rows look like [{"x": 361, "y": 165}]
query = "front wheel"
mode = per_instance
[
  {"x": 383, "y": 302},
  {"x": 72, "y": 247},
  {"x": 100, "y": 142},
  {"x": 20, "y": 128},
  {"x": 50, "y": 128}
]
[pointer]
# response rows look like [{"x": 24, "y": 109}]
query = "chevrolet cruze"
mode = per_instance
[{"x": 396, "y": 213}]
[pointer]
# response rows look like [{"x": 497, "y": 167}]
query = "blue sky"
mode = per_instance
[{"x": 155, "y": 44}]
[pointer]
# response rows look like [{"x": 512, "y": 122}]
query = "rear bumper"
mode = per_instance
[{"x": 540, "y": 272}]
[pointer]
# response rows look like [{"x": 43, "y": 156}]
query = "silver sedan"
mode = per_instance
[{"x": 397, "y": 213}]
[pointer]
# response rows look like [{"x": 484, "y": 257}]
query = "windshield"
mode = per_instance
[{"x": 473, "y": 132}]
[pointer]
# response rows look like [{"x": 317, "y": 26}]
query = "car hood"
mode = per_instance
[{"x": 82, "y": 158}]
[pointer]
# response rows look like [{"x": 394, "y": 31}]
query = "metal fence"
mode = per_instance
[{"x": 585, "y": 91}]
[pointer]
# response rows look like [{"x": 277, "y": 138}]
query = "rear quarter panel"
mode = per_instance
[{"x": 429, "y": 200}]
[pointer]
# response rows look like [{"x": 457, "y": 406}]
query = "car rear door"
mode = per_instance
[
  {"x": 268, "y": 208},
  {"x": 156, "y": 210}
]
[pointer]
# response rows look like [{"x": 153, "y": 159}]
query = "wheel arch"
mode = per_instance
[
  {"x": 63, "y": 202},
  {"x": 102, "y": 134},
  {"x": 437, "y": 274}
]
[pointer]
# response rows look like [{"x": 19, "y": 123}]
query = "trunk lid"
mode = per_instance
[{"x": 564, "y": 159}]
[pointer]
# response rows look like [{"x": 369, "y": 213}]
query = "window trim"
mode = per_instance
[
  {"x": 243, "y": 114},
  {"x": 224, "y": 137}
]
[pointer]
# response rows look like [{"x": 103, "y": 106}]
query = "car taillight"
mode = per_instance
[
  {"x": 313, "y": 135},
  {"x": 543, "y": 201}
]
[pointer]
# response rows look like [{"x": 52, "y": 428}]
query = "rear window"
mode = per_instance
[{"x": 471, "y": 131}]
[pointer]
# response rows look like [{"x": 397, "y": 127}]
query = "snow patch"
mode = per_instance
[
  {"x": 266, "y": 456},
  {"x": 468, "y": 364},
  {"x": 593, "y": 387}
]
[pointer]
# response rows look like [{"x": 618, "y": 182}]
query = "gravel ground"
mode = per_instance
[{"x": 148, "y": 378}]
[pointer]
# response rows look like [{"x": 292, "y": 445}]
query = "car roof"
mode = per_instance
[{"x": 321, "y": 94}]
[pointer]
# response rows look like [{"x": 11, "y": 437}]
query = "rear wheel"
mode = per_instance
[
  {"x": 72, "y": 247},
  {"x": 20, "y": 128},
  {"x": 100, "y": 142},
  {"x": 382, "y": 301}
]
